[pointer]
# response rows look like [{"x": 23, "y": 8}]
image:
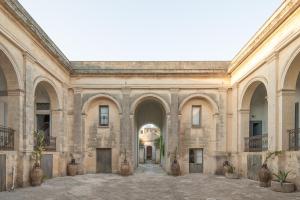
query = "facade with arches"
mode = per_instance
[{"x": 207, "y": 111}]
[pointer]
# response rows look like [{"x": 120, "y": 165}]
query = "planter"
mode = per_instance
[
  {"x": 232, "y": 175},
  {"x": 125, "y": 168},
  {"x": 175, "y": 168},
  {"x": 71, "y": 169},
  {"x": 36, "y": 176},
  {"x": 285, "y": 187},
  {"x": 265, "y": 176}
]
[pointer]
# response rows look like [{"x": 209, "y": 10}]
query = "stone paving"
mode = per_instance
[{"x": 149, "y": 182}]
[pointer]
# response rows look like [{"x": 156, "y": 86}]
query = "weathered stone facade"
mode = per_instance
[{"x": 164, "y": 91}]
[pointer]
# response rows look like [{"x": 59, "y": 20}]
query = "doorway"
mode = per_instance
[
  {"x": 196, "y": 160},
  {"x": 103, "y": 161},
  {"x": 149, "y": 152}
]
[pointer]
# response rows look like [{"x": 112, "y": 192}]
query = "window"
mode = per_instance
[
  {"x": 196, "y": 116},
  {"x": 104, "y": 115}
]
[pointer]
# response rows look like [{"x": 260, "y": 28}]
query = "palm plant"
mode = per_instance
[
  {"x": 282, "y": 176},
  {"x": 39, "y": 147}
]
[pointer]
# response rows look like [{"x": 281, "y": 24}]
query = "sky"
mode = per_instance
[{"x": 162, "y": 30}]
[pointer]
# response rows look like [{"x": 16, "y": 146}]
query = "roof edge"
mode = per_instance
[
  {"x": 278, "y": 17},
  {"x": 19, "y": 12}
]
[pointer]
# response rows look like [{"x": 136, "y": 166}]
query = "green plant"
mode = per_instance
[
  {"x": 39, "y": 147},
  {"x": 281, "y": 176}
]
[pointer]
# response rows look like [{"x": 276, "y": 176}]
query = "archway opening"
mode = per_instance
[
  {"x": 150, "y": 128},
  {"x": 255, "y": 103},
  {"x": 46, "y": 119},
  {"x": 9, "y": 104},
  {"x": 150, "y": 144}
]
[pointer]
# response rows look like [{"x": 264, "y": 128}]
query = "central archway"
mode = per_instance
[{"x": 150, "y": 110}]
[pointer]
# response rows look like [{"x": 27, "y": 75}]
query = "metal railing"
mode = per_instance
[
  {"x": 6, "y": 138},
  {"x": 256, "y": 143},
  {"x": 294, "y": 139}
]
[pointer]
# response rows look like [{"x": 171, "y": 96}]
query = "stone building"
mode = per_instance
[
  {"x": 207, "y": 112},
  {"x": 149, "y": 144}
]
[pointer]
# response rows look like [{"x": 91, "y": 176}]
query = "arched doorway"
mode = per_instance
[
  {"x": 289, "y": 99},
  {"x": 10, "y": 111},
  {"x": 149, "y": 144},
  {"x": 150, "y": 111},
  {"x": 254, "y": 118},
  {"x": 46, "y": 111}
]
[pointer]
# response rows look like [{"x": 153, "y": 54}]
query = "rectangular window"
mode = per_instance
[
  {"x": 196, "y": 116},
  {"x": 104, "y": 115}
]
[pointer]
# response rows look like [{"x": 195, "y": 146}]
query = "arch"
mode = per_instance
[
  {"x": 290, "y": 72},
  {"x": 11, "y": 71},
  {"x": 98, "y": 96},
  {"x": 51, "y": 89},
  {"x": 200, "y": 96},
  {"x": 149, "y": 96},
  {"x": 249, "y": 89}
]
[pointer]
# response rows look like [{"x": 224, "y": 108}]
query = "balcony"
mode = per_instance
[
  {"x": 294, "y": 139},
  {"x": 256, "y": 143},
  {"x": 6, "y": 138}
]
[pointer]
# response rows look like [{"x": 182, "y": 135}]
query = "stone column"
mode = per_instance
[
  {"x": 286, "y": 99},
  {"x": 173, "y": 130},
  {"x": 77, "y": 126},
  {"x": 126, "y": 127},
  {"x": 57, "y": 128},
  {"x": 243, "y": 129}
]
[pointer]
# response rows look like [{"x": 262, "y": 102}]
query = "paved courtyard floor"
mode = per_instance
[{"x": 149, "y": 182}]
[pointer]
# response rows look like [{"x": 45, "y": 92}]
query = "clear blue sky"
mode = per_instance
[{"x": 150, "y": 29}]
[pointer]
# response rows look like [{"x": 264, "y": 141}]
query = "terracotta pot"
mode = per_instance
[
  {"x": 265, "y": 176},
  {"x": 71, "y": 169},
  {"x": 282, "y": 187},
  {"x": 227, "y": 169},
  {"x": 175, "y": 168},
  {"x": 125, "y": 169},
  {"x": 36, "y": 176}
]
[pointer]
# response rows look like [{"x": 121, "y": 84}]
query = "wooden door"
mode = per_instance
[
  {"x": 103, "y": 161},
  {"x": 149, "y": 153},
  {"x": 196, "y": 160},
  {"x": 2, "y": 173},
  {"x": 47, "y": 165}
]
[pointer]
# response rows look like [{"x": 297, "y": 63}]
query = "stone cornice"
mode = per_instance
[
  {"x": 280, "y": 15},
  {"x": 158, "y": 68},
  {"x": 17, "y": 10}
]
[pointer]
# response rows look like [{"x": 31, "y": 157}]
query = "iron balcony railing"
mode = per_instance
[
  {"x": 6, "y": 138},
  {"x": 294, "y": 139},
  {"x": 256, "y": 143}
]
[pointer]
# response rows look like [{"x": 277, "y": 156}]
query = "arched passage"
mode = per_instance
[
  {"x": 47, "y": 113},
  {"x": 150, "y": 110},
  {"x": 254, "y": 117},
  {"x": 10, "y": 111},
  {"x": 289, "y": 100}
]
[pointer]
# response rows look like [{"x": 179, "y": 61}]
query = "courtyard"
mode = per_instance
[{"x": 149, "y": 182}]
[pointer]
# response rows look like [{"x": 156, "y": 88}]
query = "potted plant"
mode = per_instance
[
  {"x": 175, "y": 167},
  {"x": 281, "y": 184},
  {"x": 125, "y": 167},
  {"x": 264, "y": 174},
  {"x": 72, "y": 167},
  {"x": 229, "y": 170},
  {"x": 36, "y": 173}
]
